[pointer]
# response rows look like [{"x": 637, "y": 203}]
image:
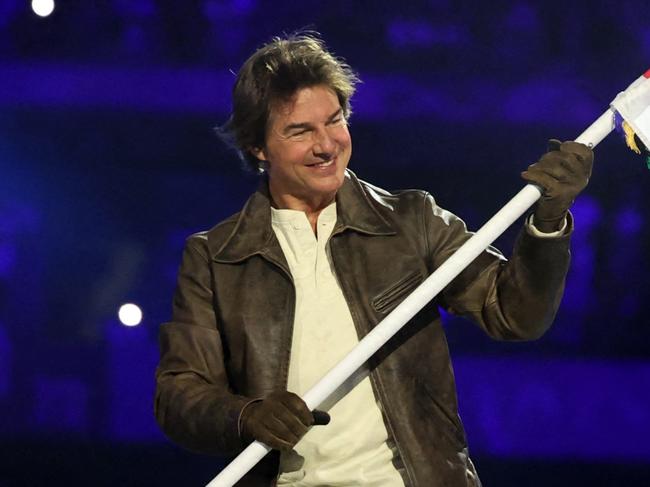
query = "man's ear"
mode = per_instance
[{"x": 258, "y": 152}]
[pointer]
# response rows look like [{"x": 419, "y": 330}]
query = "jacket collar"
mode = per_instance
[{"x": 252, "y": 234}]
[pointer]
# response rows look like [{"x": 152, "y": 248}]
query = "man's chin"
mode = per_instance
[{"x": 328, "y": 185}]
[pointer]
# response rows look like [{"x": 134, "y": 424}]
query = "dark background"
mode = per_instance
[{"x": 108, "y": 162}]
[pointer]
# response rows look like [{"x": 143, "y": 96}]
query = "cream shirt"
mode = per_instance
[{"x": 352, "y": 449}]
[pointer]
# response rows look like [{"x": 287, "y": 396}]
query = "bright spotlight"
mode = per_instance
[
  {"x": 130, "y": 314},
  {"x": 43, "y": 8}
]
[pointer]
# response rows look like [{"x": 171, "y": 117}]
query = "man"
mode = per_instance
[{"x": 271, "y": 298}]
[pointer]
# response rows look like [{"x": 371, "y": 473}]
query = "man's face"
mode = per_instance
[{"x": 307, "y": 147}]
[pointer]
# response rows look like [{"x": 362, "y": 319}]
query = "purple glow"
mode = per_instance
[
  {"x": 523, "y": 16},
  {"x": 629, "y": 221},
  {"x": 61, "y": 404},
  {"x": 5, "y": 362},
  {"x": 134, "y": 38},
  {"x": 83, "y": 86},
  {"x": 7, "y": 259},
  {"x": 578, "y": 302},
  {"x": 218, "y": 10},
  {"x": 244, "y": 6},
  {"x": 544, "y": 99},
  {"x": 133, "y": 357},
  {"x": 553, "y": 408},
  {"x": 405, "y": 34},
  {"x": 137, "y": 9},
  {"x": 587, "y": 213},
  {"x": 472, "y": 100},
  {"x": 8, "y": 9},
  {"x": 645, "y": 42},
  {"x": 17, "y": 217}
]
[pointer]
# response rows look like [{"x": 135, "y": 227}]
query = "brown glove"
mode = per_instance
[
  {"x": 279, "y": 420},
  {"x": 563, "y": 172}
]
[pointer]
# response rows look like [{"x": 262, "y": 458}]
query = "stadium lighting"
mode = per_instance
[
  {"x": 43, "y": 8},
  {"x": 130, "y": 314}
]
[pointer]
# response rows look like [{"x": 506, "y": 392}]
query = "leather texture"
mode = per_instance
[{"x": 229, "y": 340}]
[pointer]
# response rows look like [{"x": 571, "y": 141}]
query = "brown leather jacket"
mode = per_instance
[{"x": 230, "y": 336}]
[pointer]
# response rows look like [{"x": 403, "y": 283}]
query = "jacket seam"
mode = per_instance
[
  {"x": 374, "y": 378},
  {"x": 379, "y": 386},
  {"x": 425, "y": 233}
]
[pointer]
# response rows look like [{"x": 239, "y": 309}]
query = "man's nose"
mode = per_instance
[{"x": 323, "y": 143}]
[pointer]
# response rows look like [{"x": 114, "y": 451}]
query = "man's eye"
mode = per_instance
[{"x": 299, "y": 133}]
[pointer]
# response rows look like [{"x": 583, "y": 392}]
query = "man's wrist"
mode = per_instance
[
  {"x": 547, "y": 228},
  {"x": 246, "y": 407}
]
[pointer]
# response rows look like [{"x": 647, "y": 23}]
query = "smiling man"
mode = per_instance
[
  {"x": 307, "y": 150},
  {"x": 273, "y": 297}
]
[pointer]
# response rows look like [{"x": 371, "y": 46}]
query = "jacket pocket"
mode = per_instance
[{"x": 393, "y": 295}]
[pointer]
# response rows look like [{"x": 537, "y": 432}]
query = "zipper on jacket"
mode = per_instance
[{"x": 376, "y": 388}]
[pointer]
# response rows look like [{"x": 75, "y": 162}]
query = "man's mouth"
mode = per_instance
[{"x": 322, "y": 164}]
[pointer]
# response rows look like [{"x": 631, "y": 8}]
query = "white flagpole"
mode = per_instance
[{"x": 408, "y": 308}]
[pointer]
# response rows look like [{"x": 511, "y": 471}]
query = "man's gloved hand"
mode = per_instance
[
  {"x": 563, "y": 172},
  {"x": 279, "y": 420}
]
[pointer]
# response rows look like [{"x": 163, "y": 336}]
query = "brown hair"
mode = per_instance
[{"x": 274, "y": 73}]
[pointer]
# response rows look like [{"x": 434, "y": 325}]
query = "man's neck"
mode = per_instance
[{"x": 312, "y": 207}]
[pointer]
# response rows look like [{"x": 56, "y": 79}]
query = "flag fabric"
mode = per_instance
[{"x": 633, "y": 107}]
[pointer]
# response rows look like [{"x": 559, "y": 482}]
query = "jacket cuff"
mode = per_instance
[
  {"x": 565, "y": 231},
  {"x": 543, "y": 255},
  {"x": 530, "y": 224}
]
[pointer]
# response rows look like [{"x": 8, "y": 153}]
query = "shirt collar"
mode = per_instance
[{"x": 357, "y": 209}]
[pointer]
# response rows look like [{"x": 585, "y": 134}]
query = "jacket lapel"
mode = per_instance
[
  {"x": 253, "y": 234},
  {"x": 357, "y": 210}
]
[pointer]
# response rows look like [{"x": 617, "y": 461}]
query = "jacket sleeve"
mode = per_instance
[
  {"x": 194, "y": 404},
  {"x": 514, "y": 299}
]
